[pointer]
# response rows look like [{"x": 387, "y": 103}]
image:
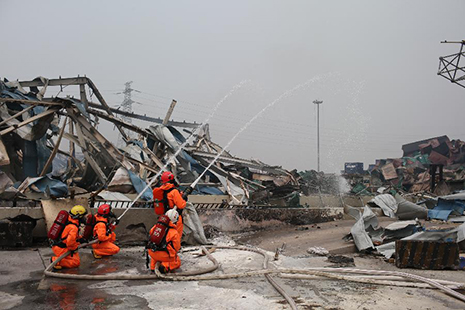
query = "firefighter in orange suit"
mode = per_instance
[
  {"x": 174, "y": 197},
  {"x": 104, "y": 232},
  {"x": 69, "y": 240},
  {"x": 167, "y": 251}
]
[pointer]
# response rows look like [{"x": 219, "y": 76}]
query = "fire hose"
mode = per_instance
[
  {"x": 371, "y": 276},
  {"x": 48, "y": 271}
]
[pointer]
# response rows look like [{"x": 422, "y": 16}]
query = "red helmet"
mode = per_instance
[
  {"x": 104, "y": 210},
  {"x": 166, "y": 177}
]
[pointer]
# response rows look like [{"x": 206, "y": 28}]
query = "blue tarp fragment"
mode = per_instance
[
  {"x": 50, "y": 186},
  {"x": 81, "y": 107},
  {"x": 15, "y": 94},
  {"x": 444, "y": 208},
  {"x": 196, "y": 166},
  {"x": 36, "y": 154},
  {"x": 139, "y": 186},
  {"x": 209, "y": 190},
  {"x": 177, "y": 135}
]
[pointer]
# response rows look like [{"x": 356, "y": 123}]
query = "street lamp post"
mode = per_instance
[{"x": 317, "y": 102}]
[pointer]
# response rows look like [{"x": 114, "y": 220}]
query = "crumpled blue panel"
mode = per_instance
[
  {"x": 81, "y": 106},
  {"x": 30, "y": 159},
  {"x": 177, "y": 135},
  {"x": 444, "y": 208},
  {"x": 139, "y": 185},
  {"x": 50, "y": 186},
  {"x": 196, "y": 166},
  {"x": 15, "y": 94},
  {"x": 210, "y": 190},
  {"x": 138, "y": 143},
  {"x": 36, "y": 154},
  {"x": 43, "y": 154}
]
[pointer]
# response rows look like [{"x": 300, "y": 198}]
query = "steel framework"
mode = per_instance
[{"x": 450, "y": 66}]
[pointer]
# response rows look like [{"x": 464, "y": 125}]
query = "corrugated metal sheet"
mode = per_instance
[{"x": 427, "y": 254}]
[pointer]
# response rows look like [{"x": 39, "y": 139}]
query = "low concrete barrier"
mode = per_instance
[{"x": 317, "y": 209}]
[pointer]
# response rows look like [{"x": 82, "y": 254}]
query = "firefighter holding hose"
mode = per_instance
[
  {"x": 104, "y": 232},
  {"x": 164, "y": 243},
  {"x": 69, "y": 239},
  {"x": 167, "y": 196}
]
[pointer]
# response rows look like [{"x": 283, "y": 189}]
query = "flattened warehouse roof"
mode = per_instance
[{"x": 32, "y": 127}]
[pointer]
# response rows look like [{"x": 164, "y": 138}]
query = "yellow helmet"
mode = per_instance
[{"x": 78, "y": 212}]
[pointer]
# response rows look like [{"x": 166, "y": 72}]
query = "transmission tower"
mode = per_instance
[
  {"x": 452, "y": 67},
  {"x": 126, "y": 106}
]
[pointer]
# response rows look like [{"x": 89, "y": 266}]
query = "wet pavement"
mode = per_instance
[
  {"x": 23, "y": 286},
  {"x": 23, "y": 283}
]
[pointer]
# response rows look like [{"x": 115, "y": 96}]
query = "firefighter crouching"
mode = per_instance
[
  {"x": 104, "y": 232},
  {"x": 164, "y": 243},
  {"x": 69, "y": 239},
  {"x": 167, "y": 197}
]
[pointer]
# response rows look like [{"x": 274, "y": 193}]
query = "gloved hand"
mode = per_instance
[
  {"x": 187, "y": 192},
  {"x": 81, "y": 240}
]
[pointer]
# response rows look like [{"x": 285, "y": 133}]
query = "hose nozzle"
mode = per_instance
[{"x": 187, "y": 192}]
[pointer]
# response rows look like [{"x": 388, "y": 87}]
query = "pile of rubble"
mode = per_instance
[
  {"x": 36, "y": 164},
  {"x": 413, "y": 240},
  {"x": 421, "y": 189},
  {"x": 435, "y": 165}
]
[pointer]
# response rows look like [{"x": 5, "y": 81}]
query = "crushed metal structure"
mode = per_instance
[{"x": 36, "y": 164}]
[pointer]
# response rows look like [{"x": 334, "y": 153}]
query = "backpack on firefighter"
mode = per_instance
[
  {"x": 61, "y": 221},
  {"x": 89, "y": 228},
  {"x": 157, "y": 240},
  {"x": 160, "y": 198},
  {"x": 54, "y": 233}
]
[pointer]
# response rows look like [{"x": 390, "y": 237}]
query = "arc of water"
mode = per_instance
[
  {"x": 281, "y": 97},
  {"x": 181, "y": 147}
]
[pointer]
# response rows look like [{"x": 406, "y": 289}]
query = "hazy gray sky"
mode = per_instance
[{"x": 373, "y": 63}]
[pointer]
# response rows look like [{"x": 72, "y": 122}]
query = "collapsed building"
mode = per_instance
[
  {"x": 37, "y": 165},
  {"x": 35, "y": 162}
]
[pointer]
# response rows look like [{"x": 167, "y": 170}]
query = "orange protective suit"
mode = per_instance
[
  {"x": 175, "y": 199},
  {"x": 169, "y": 259},
  {"x": 105, "y": 246},
  {"x": 69, "y": 238}
]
